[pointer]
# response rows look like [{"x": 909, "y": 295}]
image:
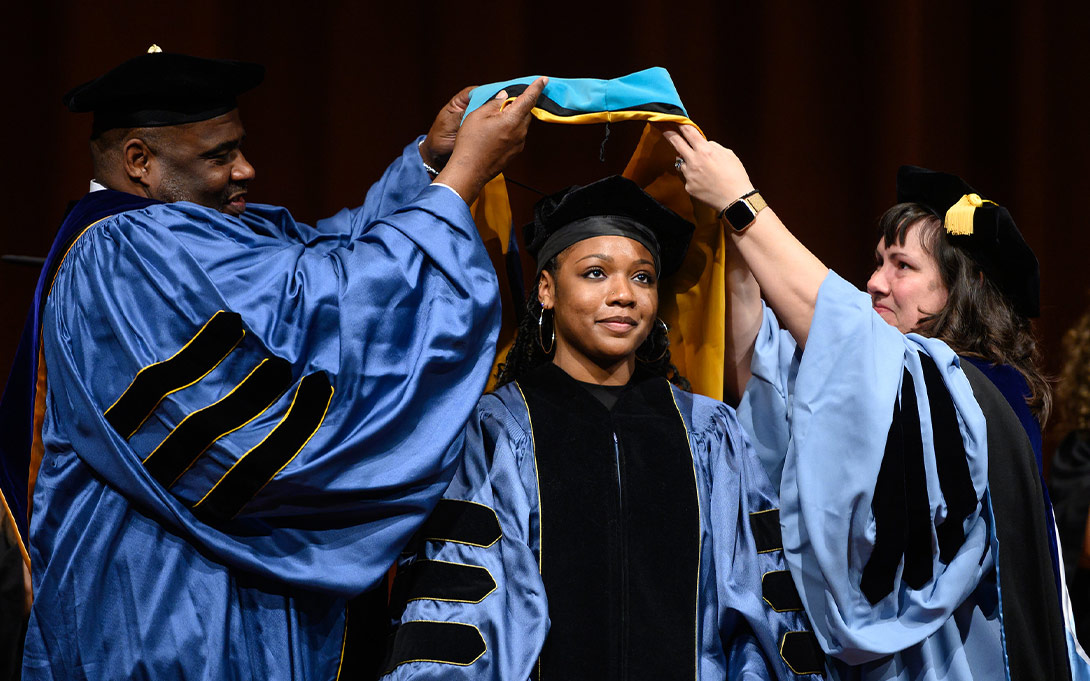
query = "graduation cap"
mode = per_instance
[
  {"x": 614, "y": 206},
  {"x": 161, "y": 88},
  {"x": 982, "y": 229}
]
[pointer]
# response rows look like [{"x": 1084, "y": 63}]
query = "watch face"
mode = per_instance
[{"x": 739, "y": 215}]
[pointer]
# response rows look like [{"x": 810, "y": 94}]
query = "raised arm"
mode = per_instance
[
  {"x": 789, "y": 275},
  {"x": 743, "y": 322},
  {"x": 320, "y": 395}
]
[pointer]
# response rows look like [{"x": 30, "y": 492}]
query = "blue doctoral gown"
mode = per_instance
[
  {"x": 822, "y": 421},
  {"x": 480, "y": 610},
  {"x": 245, "y": 419}
]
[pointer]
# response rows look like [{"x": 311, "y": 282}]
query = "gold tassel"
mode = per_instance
[{"x": 959, "y": 219}]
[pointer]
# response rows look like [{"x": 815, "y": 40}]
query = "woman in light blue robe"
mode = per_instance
[
  {"x": 604, "y": 524},
  {"x": 901, "y": 466}
]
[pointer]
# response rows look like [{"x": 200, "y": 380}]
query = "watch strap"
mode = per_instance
[{"x": 741, "y": 213}]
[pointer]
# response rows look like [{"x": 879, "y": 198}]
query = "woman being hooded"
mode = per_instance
[
  {"x": 901, "y": 426},
  {"x": 605, "y": 524}
]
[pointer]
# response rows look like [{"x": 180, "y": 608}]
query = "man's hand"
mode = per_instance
[
  {"x": 436, "y": 147},
  {"x": 490, "y": 137}
]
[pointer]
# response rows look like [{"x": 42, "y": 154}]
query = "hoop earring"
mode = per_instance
[
  {"x": 650, "y": 340},
  {"x": 541, "y": 334}
]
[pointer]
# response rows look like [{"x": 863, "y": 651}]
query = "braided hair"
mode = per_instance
[{"x": 526, "y": 352}]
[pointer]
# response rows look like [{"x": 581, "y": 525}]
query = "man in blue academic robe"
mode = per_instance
[{"x": 223, "y": 424}]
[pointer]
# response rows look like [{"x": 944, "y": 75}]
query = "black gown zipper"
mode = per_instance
[{"x": 622, "y": 527}]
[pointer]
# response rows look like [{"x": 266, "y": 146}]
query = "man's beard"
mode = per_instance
[{"x": 171, "y": 190}]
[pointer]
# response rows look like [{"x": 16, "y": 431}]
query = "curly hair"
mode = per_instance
[
  {"x": 1073, "y": 391},
  {"x": 526, "y": 352},
  {"x": 977, "y": 319}
]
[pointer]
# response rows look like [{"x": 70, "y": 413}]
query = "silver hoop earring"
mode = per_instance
[
  {"x": 541, "y": 333},
  {"x": 650, "y": 340}
]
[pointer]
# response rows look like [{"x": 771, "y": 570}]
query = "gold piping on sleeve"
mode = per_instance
[
  {"x": 783, "y": 642},
  {"x": 344, "y": 642},
  {"x": 267, "y": 436},
  {"x": 457, "y": 600},
  {"x": 770, "y": 602},
  {"x": 456, "y": 664},
  {"x": 188, "y": 343},
  {"x": 778, "y": 548},
  {"x": 469, "y": 543},
  {"x": 223, "y": 434}
]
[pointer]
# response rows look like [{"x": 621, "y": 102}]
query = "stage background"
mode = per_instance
[{"x": 822, "y": 101}]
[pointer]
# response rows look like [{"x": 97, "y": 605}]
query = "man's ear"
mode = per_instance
[
  {"x": 546, "y": 290},
  {"x": 137, "y": 160}
]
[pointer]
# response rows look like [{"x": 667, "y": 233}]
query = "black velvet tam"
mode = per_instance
[
  {"x": 995, "y": 243},
  {"x": 159, "y": 89},
  {"x": 624, "y": 209}
]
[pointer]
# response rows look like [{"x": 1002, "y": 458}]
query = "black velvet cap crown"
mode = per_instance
[
  {"x": 611, "y": 206},
  {"x": 161, "y": 88},
  {"x": 995, "y": 243}
]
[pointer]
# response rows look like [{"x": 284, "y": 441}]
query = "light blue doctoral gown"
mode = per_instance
[
  {"x": 739, "y": 635},
  {"x": 394, "y": 303},
  {"x": 819, "y": 421}
]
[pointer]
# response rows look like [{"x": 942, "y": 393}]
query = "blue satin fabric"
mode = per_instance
[
  {"x": 738, "y": 633},
  {"x": 586, "y": 95},
  {"x": 17, "y": 403},
  {"x": 395, "y": 301},
  {"x": 846, "y": 383}
]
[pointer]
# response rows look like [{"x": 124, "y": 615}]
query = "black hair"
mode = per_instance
[{"x": 526, "y": 352}]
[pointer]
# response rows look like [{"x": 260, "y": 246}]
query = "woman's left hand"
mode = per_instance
[{"x": 712, "y": 173}]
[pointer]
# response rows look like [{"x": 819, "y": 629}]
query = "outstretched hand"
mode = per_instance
[
  {"x": 712, "y": 173},
  {"x": 439, "y": 143},
  {"x": 489, "y": 138}
]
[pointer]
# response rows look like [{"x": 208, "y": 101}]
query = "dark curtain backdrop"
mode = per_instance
[{"x": 821, "y": 100}]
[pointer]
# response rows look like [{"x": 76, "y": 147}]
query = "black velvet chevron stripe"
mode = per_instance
[
  {"x": 199, "y": 430},
  {"x": 902, "y": 510},
  {"x": 888, "y": 506},
  {"x": 918, "y": 557},
  {"x": 437, "y": 580},
  {"x": 258, "y": 466},
  {"x": 462, "y": 522},
  {"x": 766, "y": 530},
  {"x": 438, "y": 642},
  {"x": 216, "y": 339},
  {"x": 546, "y": 104},
  {"x": 802, "y": 653},
  {"x": 778, "y": 590},
  {"x": 955, "y": 480}
]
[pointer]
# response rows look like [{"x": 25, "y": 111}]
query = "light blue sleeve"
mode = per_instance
[
  {"x": 508, "y": 621},
  {"x": 765, "y": 408},
  {"x": 837, "y": 401},
  {"x": 746, "y": 637},
  {"x": 400, "y": 184},
  {"x": 400, "y": 322}
]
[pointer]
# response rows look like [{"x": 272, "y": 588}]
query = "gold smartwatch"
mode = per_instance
[{"x": 741, "y": 213}]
